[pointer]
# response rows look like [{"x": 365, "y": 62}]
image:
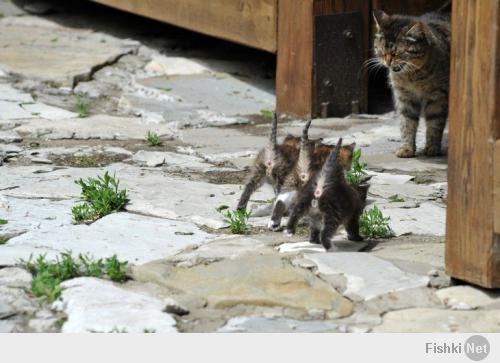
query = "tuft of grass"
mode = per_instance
[
  {"x": 237, "y": 219},
  {"x": 101, "y": 196},
  {"x": 83, "y": 108},
  {"x": 267, "y": 113},
  {"x": 48, "y": 275},
  {"x": 356, "y": 175},
  {"x": 3, "y": 222},
  {"x": 153, "y": 139},
  {"x": 3, "y": 240},
  {"x": 373, "y": 224},
  {"x": 83, "y": 213},
  {"x": 395, "y": 199},
  {"x": 115, "y": 269},
  {"x": 166, "y": 89},
  {"x": 150, "y": 331}
]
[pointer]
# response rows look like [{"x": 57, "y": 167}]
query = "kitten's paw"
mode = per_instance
[
  {"x": 288, "y": 233},
  {"x": 274, "y": 226},
  {"x": 432, "y": 150},
  {"x": 405, "y": 151}
]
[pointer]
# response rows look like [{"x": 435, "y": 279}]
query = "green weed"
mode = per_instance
[
  {"x": 82, "y": 107},
  {"x": 101, "y": 196},
  {"x": 395, "y": 199},
  {"x": 3, "y": 222},
  {"x": 153, "y": 139},
  {"x": 48, "y": 275},
  {"x": 356, "y": 175},
  {"x": 373, "y": 224},
  {"x": 267, "y": 113},
  {"x": 115, "y": 269},
  {"x": 238, "y": 220}
]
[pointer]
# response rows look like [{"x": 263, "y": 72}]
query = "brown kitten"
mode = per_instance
[
  {"x": 272, "y": 165},
  {"x": 416, "y": 51},
  {"x": 330, "y": 201}
]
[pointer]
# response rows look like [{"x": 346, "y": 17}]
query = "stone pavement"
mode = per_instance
[{"x": 204, "y": 98}]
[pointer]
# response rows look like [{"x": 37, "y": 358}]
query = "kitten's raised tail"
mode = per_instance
[
  {"x": 274, "y": 133},
  {"x": 332, "y": 169},
  {"x": 305, "y": 133}
]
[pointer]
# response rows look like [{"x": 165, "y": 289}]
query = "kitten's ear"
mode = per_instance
[
  {"x": 350, "y": 147},
  {"x": 380, "y": 18},
  {"x": 418, "y": 30}
]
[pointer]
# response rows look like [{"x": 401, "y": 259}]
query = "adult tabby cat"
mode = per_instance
[{"x": 416, "y": 50}]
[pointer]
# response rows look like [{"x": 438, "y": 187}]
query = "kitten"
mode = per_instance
[
  {"x": 416, "y": 51},
  {"x": 330, "y": 201},
  {"x": 287, "y": 167},
  {"x": 312, "y": 156},
  {"x": 272, "y": 165}
]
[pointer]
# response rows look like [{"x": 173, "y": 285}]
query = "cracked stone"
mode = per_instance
[
  {"x": 172, "y": 160},
  {"x": 197, "y": 206},
  {"x": 467, "y": 297},
  {"x": 427, "y": 219},
  {"x": 95, "y": 127},
  {"x": 134, "y": 238},
  {"x": 224, "y": 248},
  {"x": 250, "y": 280},
  {"x": 339, "y": 244},
  {"x": 55, "y": 47},
  {"x": 10, "y": 136},
  {"x": 427, "y": 320},
  {"x": 15, "y": 277},
  {"x": 277, "y": 325},
  {"x": 367, "y": 276},
  {"x": 94, "y": 305}
]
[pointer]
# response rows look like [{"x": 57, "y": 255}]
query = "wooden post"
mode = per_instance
[
  {"x": 473, "y": 239},
  {"x": 295, "y": 75}
]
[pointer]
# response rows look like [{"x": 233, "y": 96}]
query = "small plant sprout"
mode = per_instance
[
  {"x": 82, "y": 107},
  {"x": 238, "y": 219},
  {"x": 101, "y": 197},
  {"x": 3, "y": 221},
  {"x": 3, "y": 240},
  {"x": 356, "y": 175},
  {"x": 395, "y": 199},
  {"x": 267, "y": 113},
  {"x": 373, "y": 224},
  {"x": 115, "y": 269},
  {"x": 48, "y": 275},
  {"x": 153, "y": 139}
]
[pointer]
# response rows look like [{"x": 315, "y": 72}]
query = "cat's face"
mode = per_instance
[{"x": 400, "y": 43}]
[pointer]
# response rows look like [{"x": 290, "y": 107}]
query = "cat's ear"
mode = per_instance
[
  {"x": 380, "y": 18},
  {"x": 417, "y": 30}
]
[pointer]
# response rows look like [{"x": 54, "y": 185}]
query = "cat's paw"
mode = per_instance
[
  {"x": 288, "y": 233},
  {"x": 405, "y": 151},
  {"x": 432, "y": 150}
]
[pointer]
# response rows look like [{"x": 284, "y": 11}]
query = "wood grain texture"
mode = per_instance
[
  {"x": 249, "y": 22},
  {"x": 294, "y": 74},
  {"x": 472, "y": 248},
  {"x": 407, "y": 7},
  {"x": 295, "y": 67},
  {"x": 496, "y": 183}
]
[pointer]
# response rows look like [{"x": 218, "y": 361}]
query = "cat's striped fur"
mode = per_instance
[{"x": 416, "y": 50}]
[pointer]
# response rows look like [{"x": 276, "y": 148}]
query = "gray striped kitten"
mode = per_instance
[{"x": 416, "y": 50}]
